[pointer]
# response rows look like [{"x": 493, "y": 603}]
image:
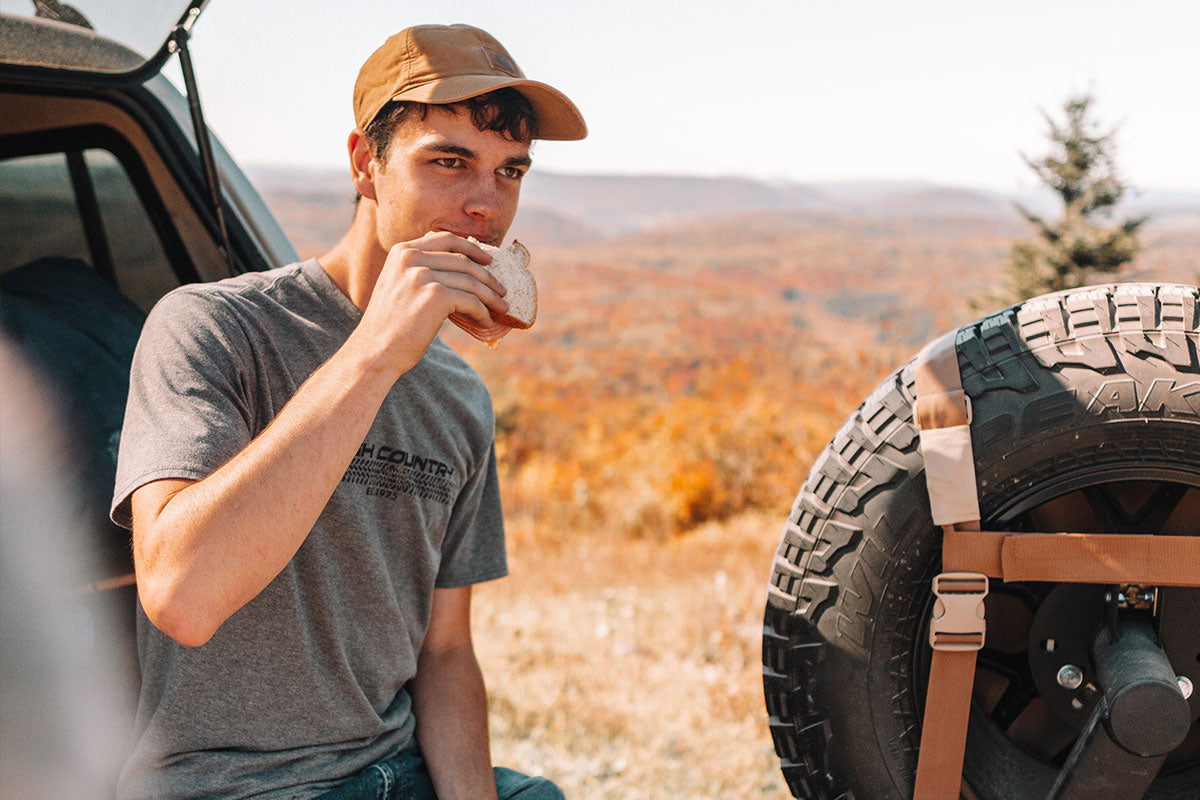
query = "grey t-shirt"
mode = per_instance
[{"x": 304, "y": 685}]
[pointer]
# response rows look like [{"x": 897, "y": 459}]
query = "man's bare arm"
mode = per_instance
[
  {"x": 204, "y": 549},
  {"x": 450, "y": 703}
]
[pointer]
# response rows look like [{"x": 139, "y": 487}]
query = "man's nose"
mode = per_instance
[{"x": 484, "y": 201}]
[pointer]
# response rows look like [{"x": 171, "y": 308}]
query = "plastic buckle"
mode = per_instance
[{"x": 957, "y": 622}]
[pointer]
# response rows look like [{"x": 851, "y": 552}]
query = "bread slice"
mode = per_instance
[{"x": 511, "y": 267}]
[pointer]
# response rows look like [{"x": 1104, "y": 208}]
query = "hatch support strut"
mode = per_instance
[{"x": 179, "y": 42}]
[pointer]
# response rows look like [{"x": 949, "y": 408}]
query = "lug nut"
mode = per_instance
[{"x": 1070, "y": 677}]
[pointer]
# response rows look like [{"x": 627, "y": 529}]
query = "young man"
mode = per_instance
[{"x": 310, "y": 475}]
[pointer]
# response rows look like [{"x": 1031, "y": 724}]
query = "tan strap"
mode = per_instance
[
  {"x": 1075, "y": 557},
  {"x": 943, "y": 415},
  {"x": 941, "y": 402},
  {"x": 935, "y": 373},
  {"x": 973, "y": 551},
  {"x": 944, "y": 730}
]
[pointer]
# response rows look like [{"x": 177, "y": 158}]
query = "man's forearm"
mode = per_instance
[
  {"x": 207, "y": 550},
  {"x": 203, "y": 550},
  {"x": 450, "y": 704}
]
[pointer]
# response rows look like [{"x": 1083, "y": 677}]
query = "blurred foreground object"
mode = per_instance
[{"x": 64, "y": 718}]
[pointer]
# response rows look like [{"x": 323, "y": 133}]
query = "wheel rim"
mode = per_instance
[{"x": 1035, "y": 629}]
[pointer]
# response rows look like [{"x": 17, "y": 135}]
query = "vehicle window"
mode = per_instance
[
  {"x": 38, "y": 213},
  {"x": 95, "y": 215},
  {"x": 141, "y": 267}
]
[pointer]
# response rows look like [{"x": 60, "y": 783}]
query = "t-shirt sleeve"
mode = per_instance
[
  {"x": 474, "y": 548},
  {"x": 187, "y": 412}
]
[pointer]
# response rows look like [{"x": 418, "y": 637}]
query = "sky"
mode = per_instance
[{"x": 789, "y": 90}]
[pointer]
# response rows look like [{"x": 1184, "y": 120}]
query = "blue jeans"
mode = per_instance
[{"x": 405, "y": 777}]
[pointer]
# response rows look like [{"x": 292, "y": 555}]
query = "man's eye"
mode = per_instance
[
  {"x": 516, "y": 173},
  {"x": 449, "y": 162}
]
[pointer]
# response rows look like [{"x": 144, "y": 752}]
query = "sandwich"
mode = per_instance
[{"x": 510, "y": 266}]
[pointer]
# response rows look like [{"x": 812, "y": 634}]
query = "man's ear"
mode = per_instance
[{"x": 362, "y": 164}]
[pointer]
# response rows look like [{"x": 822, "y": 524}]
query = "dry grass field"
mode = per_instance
[{"x": 631, "y": 669}]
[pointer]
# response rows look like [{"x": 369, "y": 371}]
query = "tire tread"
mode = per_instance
[{"x": 836, "y": 543}]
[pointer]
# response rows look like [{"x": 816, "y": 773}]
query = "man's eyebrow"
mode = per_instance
[
  {"x": 518, "y": 161},
  {"x": 451, "y": 149}
]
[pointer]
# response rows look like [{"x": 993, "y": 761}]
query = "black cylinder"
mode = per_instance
[{"x": 1148, "y": 714}]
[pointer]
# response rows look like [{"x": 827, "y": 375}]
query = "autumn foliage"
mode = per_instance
[
  {"x": 686, "y": 374},
  {"x": 683, "y": 446}
]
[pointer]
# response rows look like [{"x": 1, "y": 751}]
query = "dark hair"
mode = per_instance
[{"x": 505, "y": 111}]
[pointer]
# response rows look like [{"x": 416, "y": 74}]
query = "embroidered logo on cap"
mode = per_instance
[{"x": 501, "y": 63}]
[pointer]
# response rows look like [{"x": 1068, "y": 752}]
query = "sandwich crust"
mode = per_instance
[{"x": 510, "y": 266}]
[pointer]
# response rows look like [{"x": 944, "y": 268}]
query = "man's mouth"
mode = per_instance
[{"x": 487, "y": 237}]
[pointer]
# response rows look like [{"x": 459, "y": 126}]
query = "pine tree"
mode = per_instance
[{"x": 1084, "y": 245}]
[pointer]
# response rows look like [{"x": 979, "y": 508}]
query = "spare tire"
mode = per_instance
[{"x": 1086, "y": 419}]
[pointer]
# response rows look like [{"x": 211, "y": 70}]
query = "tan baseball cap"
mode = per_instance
[{"x": 441, "y": 64}]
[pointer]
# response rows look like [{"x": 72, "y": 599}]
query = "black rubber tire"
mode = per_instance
[{"x": 1087, "y": 388}]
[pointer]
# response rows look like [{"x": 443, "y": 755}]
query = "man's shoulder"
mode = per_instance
[
  {"x": 248, "y": 283},
  {"x": 291, "y": 289}
]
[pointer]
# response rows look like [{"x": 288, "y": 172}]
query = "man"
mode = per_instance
[{"x": 310, "y": 475}]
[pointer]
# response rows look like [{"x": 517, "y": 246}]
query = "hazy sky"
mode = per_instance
[{"x": 803, "y": 90}]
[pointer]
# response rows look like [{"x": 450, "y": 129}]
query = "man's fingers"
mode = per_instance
[
  {"x": 466, "y": 284},
  {"x": 484, "y": 333},
  {"x": 447, "y": 242},
  {"x": 447, "y": 261},
  {"x": 443, "y": 242},
  {"x": 468, "y": 306}
]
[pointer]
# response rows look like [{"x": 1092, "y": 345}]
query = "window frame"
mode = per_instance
[{"x": 72, "y": 142}]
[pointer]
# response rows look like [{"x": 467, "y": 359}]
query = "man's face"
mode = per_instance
[{"x": 443, "y": 174}]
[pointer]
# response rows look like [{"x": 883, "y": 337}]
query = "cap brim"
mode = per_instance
[{"x": 557, "y": 117}]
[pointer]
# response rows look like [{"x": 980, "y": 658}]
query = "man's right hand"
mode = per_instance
[{"x": 423, "y": 283}]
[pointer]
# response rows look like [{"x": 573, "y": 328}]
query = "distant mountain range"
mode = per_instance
[
  {"x": 566, "y": 208},
  {"x": 634, "y": 266}
]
